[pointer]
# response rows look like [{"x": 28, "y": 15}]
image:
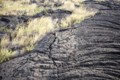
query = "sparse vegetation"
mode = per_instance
[
  {"x": 78, "y": 15},
  {"x": 19, "y": 7},
  {"x": 25, "y": 37}
]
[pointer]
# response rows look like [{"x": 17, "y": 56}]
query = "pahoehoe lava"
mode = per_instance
[{"x": 89, "y": 51}]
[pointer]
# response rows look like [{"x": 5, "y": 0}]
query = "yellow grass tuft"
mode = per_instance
[
  {"x": 5, "y": 54},
  {"x": 78, "y": 15}
]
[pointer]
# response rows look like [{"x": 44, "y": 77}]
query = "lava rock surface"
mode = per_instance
[{"x": 87, "y": 51}]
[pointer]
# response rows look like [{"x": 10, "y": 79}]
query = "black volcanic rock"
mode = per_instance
[{"x": 87, "y": 51}]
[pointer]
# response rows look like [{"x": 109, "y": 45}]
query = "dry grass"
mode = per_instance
[
  {"x": 19, "y": 7},
  {"x": 70, "y": 4},
  {"x": 78, "y": 15},
  {"x": 35, "y": 29},
  {"x": 25, "y": 36}
]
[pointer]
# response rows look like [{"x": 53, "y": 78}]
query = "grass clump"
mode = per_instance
[
  {"x": 78, "y": 15},
  {"x": 25, "y": 37},
  {"x": 5, "y": 54},
  {"x": 33, "y": 31}
]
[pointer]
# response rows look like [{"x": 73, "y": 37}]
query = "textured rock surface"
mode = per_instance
[{"x": 88, "y": 51}]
